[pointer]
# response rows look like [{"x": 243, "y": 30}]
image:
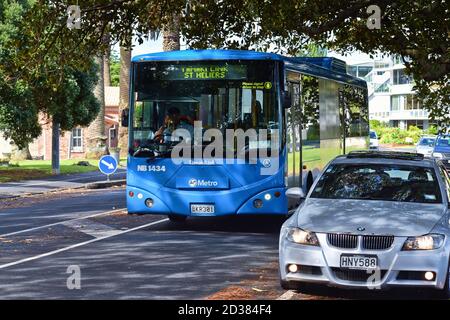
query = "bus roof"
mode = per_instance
[{"x": 319, "y": 67}]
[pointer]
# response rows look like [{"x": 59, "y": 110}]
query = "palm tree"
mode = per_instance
[
  {"x": 106, "y": 62},
  {"x": 96, "y": 139},
  {"x": 171, "y": 34},
  {"x": 124, "y": 95}
]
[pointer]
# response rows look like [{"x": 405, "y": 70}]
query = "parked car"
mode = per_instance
[
  {"x": 373, "y": 143},
  {"x": 425, "y": 145},
  {"x": 441, "y": 148},
  {"x": 371, "y": 220}
]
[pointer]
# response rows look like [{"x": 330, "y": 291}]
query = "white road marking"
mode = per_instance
[
  {"x": 288, "y": 295},
  {"x": 79, "y": 245},
  {"x": 91, "y": 228},
  {"x": 60, "y": 222}
]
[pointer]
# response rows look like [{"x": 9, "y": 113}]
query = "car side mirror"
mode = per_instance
[
  {"x": 124, "y": 117},
  {"x": 286, "y": 99},
  {"x": 295, "y": 193}
]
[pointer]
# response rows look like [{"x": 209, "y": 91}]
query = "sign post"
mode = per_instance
[{"x": 107, "y": 165}]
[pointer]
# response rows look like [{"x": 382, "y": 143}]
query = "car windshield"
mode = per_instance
[
  {"x": 428, "y": 142},
  {"x": 443, "y": 142},
  {"x": 373, "y": 135},
  {"x": 378, "y": 182}
]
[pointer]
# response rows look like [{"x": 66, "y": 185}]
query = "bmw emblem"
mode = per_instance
[{"x": 361, "y": 229}]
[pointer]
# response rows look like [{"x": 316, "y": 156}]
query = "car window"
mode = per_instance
[
  {"x": 373, "y": 135},
  {"x": 443, "y": 142},
  {"x": 427, "y": 142},
  {"x": 378, "y": 182},
  {"x": 446, "y": 179}
]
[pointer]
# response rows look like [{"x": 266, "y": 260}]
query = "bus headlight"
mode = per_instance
[
  {"x": 258, "y": 203},
  {"x": 426, "y": 242},
  {"x": 437, "y": 155},
  {"x": 302, "y": 237}
]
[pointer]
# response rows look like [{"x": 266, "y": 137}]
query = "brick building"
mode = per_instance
[{"x": 73, "y": 143}]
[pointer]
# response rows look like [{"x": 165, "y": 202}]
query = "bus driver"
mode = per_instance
[{"x": 173, "y": 120}]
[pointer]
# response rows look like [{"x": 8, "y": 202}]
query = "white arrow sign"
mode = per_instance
[{"x": 109, "y": 165}]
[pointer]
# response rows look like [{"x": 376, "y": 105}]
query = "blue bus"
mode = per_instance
[{"x": 305, "y": 110}]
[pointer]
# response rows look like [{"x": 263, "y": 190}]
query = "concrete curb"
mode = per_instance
[{"x": 105, "y": 184}]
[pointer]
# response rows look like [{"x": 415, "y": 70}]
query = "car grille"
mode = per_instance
[
  {"x": 377, "y": 242},
  {"x": 347, "y": 241},
  {"x": 354, "y": 275},
  {"x": 350, "y": 241}
]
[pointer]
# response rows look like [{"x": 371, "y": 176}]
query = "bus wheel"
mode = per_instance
[{"x": 177, "y": 218}]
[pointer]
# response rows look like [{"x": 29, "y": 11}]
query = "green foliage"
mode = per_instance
[
  {"x": 432, "y": 130},
  {"x": 290, "y": 26},
  {"x": 114, "y": 68},
  {"x": 389, "y": 135},
  {"x": 26, "y": 93}
]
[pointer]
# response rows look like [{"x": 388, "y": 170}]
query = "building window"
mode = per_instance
[
  {"x": 405, "y": 102},
  {"x": 77, "y": 140},
  {"x": 381, "y": 64},
  {"x": 363, "y": 71},
  {"x": 400, "y": 77},
  {"x": 352, "y": 70}
]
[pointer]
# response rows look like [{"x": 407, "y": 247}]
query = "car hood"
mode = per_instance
[{"x": 376, "y": 217}]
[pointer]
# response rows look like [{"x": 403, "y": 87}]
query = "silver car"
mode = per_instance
[
  {"x": 425, "y": 145},
  {"x": 371, "y": 220}
]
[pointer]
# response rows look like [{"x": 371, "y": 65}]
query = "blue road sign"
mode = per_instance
[{"x": 107, "y": 165}]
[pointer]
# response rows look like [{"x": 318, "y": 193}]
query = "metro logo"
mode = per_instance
[{"x": 202, "y": 183}]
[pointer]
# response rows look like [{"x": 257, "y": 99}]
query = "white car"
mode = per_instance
[
  {"x": 425, "y": 145},
  {"x": 373, "y": 144},
  {"x": 372, "y": 220}
]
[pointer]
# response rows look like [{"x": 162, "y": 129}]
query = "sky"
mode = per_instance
[{"x": 150, "y": 46}]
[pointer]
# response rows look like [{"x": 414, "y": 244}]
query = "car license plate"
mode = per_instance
[
  {"x": 359, "y": 262},
  {"x": 202, "y": 208}
]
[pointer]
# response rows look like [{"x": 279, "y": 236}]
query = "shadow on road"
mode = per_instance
[
  {"x": 231, "y": 224},
  {"x": 324, "y": 292}
]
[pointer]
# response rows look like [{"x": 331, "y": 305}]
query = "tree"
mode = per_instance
[
  {"x": 171, "y": 34},
  {"x": 124, "y": 96},
  {"x": 57, "y": 91},
  {"x": 96, "y": 146},
  {"x": 417, "y": 31}
]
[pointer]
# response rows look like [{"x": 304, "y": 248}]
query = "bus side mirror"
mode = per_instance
[
  {"x": 286, "y": 99},
  {"x": 124, "y": 117}
]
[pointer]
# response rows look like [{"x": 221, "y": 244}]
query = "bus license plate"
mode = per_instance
[
  {"x": 359, "y": 262},
  {"x": 202, "y": 208}
]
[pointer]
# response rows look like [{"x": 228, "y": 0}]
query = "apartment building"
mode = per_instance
[{"x": 390, "y": 89}]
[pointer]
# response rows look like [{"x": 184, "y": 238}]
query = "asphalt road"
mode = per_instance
[
  {"x": 125, "y": 257},
  {"x": 45, "y": 241}
]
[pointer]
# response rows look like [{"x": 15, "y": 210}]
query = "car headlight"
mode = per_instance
[
  {"x": 302, "y": 237},
  {"x": 437, "y": 155},
  {"x": 426, "y": 242}
]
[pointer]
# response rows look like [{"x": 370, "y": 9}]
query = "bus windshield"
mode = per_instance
[{"x": 221, "y": 94}]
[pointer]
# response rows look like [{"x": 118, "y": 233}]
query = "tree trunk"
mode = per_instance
[
  {"x": 55, "y": 147},
  {"x": 106, "y": 71},
  {"x": 171, "y": 35},
  {"x": 124, "y": 97},
  {"x": 106, "y": 63},
  {"x": 20, "y": 154},
  {"x": 96, "y": 139}
]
